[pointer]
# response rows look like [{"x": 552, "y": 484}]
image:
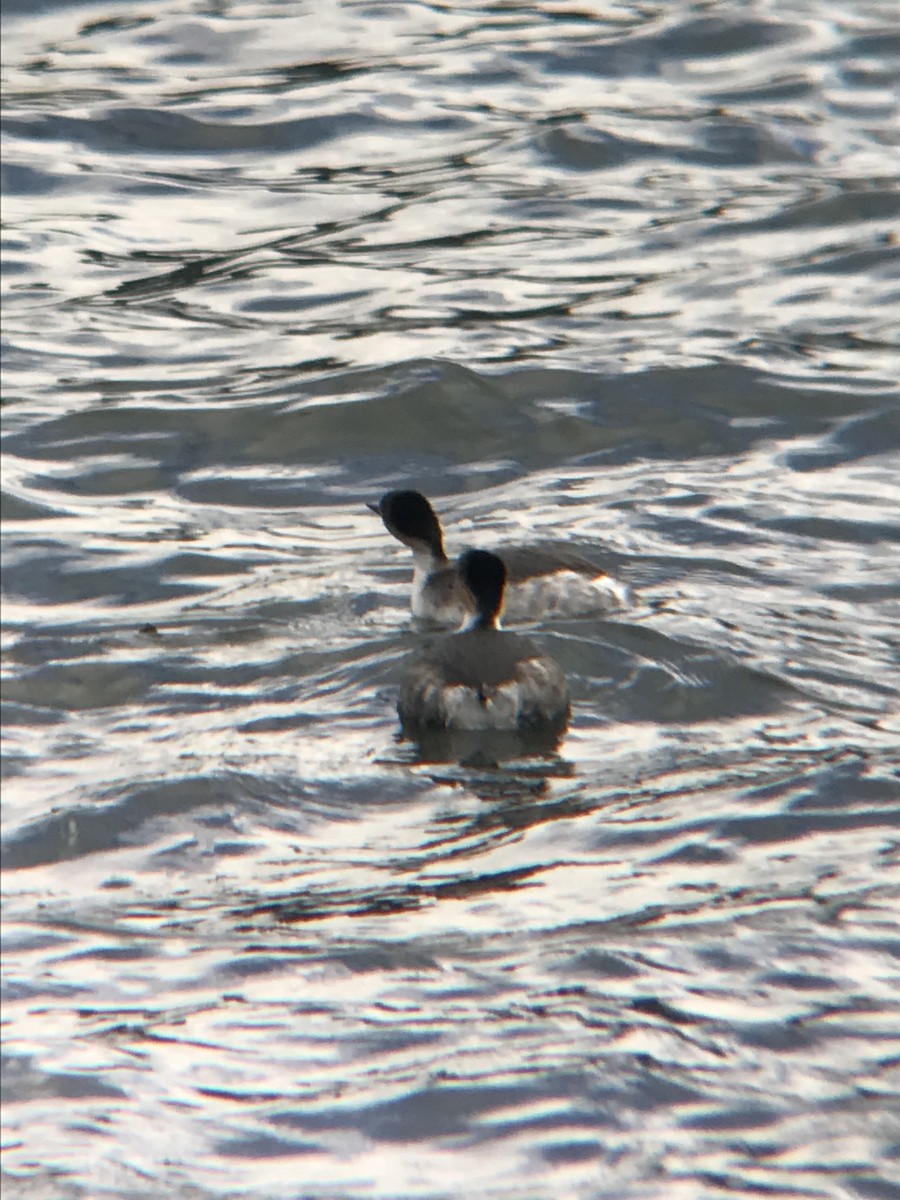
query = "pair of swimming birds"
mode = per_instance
[{"x": 484, "y": 677}]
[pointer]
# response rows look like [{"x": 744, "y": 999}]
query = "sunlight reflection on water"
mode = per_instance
[{"x": 614, "y": 278}]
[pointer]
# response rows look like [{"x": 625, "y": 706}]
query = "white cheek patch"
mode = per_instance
[
  {"x": 423, "y": 569},
  {"x": 447, "y": 616},
  {"x": 430, "y": 601}
]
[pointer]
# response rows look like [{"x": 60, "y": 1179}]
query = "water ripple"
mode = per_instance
[{"x": 621, "y": 279}]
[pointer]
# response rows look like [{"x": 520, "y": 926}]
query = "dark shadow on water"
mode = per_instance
[
  {"x": 126, "y": 814},
  {"x": 318, "y": 904},
  {"x": 481, "y": 748}
]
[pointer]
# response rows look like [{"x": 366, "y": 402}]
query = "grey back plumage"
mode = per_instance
[
  {"x": 528, "y": 562},
  {"x": 475, "y": 680}
]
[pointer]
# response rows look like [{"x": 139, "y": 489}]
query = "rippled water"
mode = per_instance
[{"x": 621, "y": 277}]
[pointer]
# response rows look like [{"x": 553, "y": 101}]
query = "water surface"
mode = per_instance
[{"x": 619, "y": 277}]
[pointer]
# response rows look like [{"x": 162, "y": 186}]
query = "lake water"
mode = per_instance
[{"x": 618, "y": 276}]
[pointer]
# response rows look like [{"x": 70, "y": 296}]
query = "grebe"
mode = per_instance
[
  {"x": 541, "y": 582},
  {"x": 483, "y": 677}
]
